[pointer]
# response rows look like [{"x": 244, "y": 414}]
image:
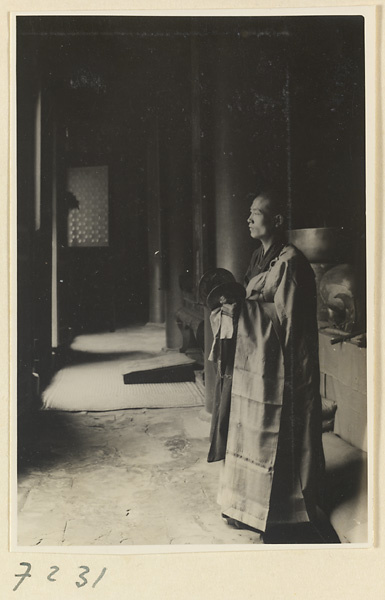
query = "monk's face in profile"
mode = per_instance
[{"x": 261, "y": 221}]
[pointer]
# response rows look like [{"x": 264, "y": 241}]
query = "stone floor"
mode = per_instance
[
  {"x": 124, "y": 477},
  {"x": 121, "y": 478}
]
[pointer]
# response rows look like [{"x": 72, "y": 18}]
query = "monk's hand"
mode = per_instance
[
  {"x": 231, "y": 309},
  {"x": 257, "y": 296},
  {"x": 229, "y": 300}
]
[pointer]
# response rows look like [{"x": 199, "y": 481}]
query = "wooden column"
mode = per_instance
[
  {"x": 42, "y": 274},
  {"x": 177, "y": 194},
  {"x": 54, "y": 258},
  {"x": 233, "y": 175},
  {"x": 201, "y": 241},
  {"x": 200, "y": 202},
  {"x": 251, "y": 137},
  {"x": 155, "y": 251},
  {"x": 249, "y": 143}
]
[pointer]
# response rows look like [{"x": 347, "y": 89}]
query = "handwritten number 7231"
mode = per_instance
[{"x": 54, "y": 570}]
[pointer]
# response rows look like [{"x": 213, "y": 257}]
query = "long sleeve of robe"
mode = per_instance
[{"x": 273, "y": 465}]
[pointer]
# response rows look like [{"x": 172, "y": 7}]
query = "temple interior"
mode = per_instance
[{"x": 138, "y": 139}]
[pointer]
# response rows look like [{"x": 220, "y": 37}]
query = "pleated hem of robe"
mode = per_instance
[
  {"x": 259, "y": 515},
  {"x": 291, "y": 509},
  {"x": 299, "y": 515}
]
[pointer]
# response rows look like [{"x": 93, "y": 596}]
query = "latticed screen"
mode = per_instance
[{"x": 88, "y": 224}]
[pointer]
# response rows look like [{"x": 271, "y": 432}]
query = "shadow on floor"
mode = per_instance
[
  {"x": 302, "y": 533},
  {"x": 48, "y": 439},
  {"x": 344, "y": 482},
  {"x": 78, "y": 357}
]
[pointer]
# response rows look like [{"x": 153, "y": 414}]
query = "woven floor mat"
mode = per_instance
[{"x": 99, "y": 386}]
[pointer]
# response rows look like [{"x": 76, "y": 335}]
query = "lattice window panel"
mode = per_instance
[{"x": 88, "y": 226}]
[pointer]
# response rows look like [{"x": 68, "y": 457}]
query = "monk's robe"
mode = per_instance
[{"x": 267, "y": 422}]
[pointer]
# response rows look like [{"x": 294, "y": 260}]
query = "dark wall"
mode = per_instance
[{"x": 327, "y": 99}]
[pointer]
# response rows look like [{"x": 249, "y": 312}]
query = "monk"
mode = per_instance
[{"x": 267, "y": 422}]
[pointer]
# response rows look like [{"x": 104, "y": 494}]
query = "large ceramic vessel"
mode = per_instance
[{"x": 321, "y": 244}]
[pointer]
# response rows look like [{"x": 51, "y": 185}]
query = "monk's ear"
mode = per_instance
[{"x": 279, "y": 220}]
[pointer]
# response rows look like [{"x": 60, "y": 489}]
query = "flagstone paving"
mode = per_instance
[{"x": 120, "y": 478}]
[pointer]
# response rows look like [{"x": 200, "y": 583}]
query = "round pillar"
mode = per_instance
[
  {"x": 155, "y": 262},
  {"x": 177, "y": 223},
  {"x": 250, "y": 140}
]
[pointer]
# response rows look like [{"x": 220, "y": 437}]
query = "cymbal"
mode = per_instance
[
  {"x": 212, "y": 278},
  {"x": 225, "y": 293}
]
